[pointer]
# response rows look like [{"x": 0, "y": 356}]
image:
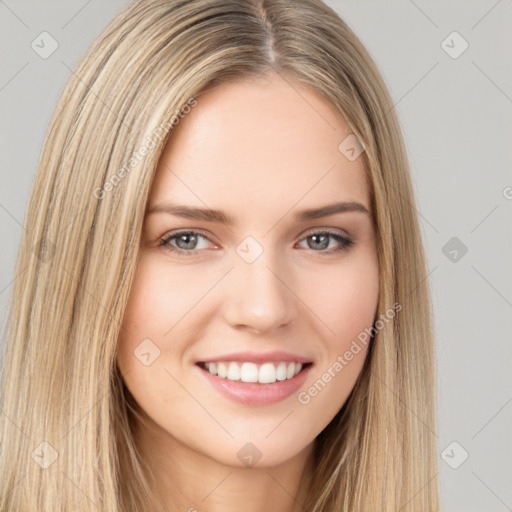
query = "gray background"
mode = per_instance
[{"x": 456, "y": 118}]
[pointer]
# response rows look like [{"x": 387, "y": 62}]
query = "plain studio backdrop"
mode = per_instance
[{"x": 448, "y": 67}]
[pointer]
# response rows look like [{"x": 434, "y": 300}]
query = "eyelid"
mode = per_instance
[
  {"x": 337, "y": 231},
  {"x": 310, "y": 231}
]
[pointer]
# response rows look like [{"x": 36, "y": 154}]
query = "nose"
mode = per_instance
[{"x": 259, "y": 298}]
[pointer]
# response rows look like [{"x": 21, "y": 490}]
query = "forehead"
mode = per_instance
[{"x": 256, "y": 143}]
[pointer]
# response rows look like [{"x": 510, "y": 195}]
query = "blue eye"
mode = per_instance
[
  {"x": 322, "y": 238},
  {"x": 186, "y": 239},
  {"x": 184, "y": 243}
]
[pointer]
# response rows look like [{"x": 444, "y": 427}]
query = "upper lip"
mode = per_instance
[{"x": 258, "y": 357}]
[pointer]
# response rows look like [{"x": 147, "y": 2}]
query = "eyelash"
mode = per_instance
[{"x": 344, "y": 242}]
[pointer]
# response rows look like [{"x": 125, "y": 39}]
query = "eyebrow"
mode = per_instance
[{"x": 206, "y": 214}]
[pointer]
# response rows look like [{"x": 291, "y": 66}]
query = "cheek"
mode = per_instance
[
  {"x": 149, "y": 314},
  {"x": 348, "y": 307},
  {"x": 156, "y": 303},
  {"x": 159, "y": 300},
  {"x": 347, "y": 304}
]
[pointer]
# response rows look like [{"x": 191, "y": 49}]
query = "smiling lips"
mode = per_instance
[
  {"x": 266, "y": 373},
  {"x": 264, "y": 368},
  {"x": 256, "y": 378}
]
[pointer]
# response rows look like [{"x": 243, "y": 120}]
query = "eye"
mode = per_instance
[
  {"x": 187, "y": 243},
  {"x": 321, "y": 240}
]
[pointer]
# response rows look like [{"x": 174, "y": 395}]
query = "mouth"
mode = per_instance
[
  {"x": 253, "y": 384},
  {"x": 255, "y": 373}
]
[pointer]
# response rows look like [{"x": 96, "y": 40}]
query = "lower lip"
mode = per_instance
[{"x": 253, "y": 393}]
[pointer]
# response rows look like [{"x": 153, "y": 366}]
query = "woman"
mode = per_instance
[{"x": 221, "y": 299}]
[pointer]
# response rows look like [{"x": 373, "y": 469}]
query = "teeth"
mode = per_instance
[
  {"x": 281, "y": 371},
  {"x": 249, "y": 372},
  {"x": 233, "y": 371},
  {"x": 266, "y": 373},
  {"x": 222, "y": 371}
]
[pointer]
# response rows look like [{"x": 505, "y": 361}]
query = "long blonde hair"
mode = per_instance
[{"x": 66, "y": 425}]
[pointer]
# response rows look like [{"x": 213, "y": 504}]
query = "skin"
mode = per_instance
[{"x": 260, "y": 150}]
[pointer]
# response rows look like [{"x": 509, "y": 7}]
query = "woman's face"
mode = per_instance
[{"x": 248, "y": 281}]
